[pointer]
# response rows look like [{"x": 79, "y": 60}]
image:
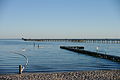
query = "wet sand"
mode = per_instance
[{"x": 80, "y": 75}]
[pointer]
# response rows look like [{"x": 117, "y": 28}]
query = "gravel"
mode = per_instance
[{"x": 79, "y": 75}]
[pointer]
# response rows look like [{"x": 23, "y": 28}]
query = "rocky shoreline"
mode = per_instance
[{"x": 79, "y": 75}]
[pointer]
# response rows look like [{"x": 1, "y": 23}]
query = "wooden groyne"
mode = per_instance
[
  {"x": 108, "y": 41},
  {"x": 81, "y": 50}
]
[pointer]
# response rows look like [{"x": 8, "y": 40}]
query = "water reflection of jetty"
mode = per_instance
[{"x": 109, "y": 41}]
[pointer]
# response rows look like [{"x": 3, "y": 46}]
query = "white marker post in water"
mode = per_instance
[{"x": 97, "y": 48}]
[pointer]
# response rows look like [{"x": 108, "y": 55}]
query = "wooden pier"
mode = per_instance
[
  {"x": 108, "y": 41},
  {"x": 81, "y": 50}
]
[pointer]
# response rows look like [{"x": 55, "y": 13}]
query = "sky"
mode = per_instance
[{"x": 58, "y": 19}]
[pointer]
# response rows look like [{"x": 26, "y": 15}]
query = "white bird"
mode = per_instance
[{"x": 23, "y": 49}]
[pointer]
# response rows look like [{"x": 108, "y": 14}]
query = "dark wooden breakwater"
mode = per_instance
[
  {"x": 109, "y": 41},
  {"x": 81, "y": 50}
]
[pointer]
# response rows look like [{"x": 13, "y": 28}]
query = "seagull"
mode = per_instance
[{"x": 23, "y": 49}]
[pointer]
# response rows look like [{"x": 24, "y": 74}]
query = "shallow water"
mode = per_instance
[{"x": 48, "y": 57}]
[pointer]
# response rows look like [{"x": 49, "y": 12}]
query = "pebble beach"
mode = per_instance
[{"x": 79, "y": 75}]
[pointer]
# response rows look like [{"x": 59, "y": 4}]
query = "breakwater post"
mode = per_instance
[
  {"x": 20, "y": 69},
  {"x": 95, "y": 54},
  {"x": 34, "y": 44}
]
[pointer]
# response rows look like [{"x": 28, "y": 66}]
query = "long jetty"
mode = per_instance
[
  {"x": 109, "y": 41},
  {"x": 81, "y": 50}
]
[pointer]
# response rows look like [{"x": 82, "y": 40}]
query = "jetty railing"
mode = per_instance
[{"x": 109, "y": 41}]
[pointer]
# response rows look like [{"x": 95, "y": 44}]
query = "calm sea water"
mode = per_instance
[{"x": 50, "y": 58}]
